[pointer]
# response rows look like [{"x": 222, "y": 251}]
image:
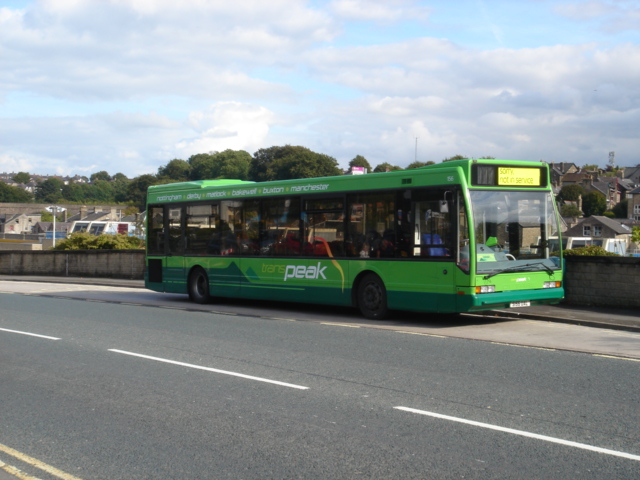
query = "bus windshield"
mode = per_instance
[{"x": 512, "y": 231}]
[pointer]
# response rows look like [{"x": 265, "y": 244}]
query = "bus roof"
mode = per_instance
[{"x": 445, "y": 173}]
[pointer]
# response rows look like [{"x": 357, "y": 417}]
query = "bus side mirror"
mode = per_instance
[{"x": 444, "y": 206}]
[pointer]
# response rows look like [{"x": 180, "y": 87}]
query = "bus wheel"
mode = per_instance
[
  {"x": 199, "y": 286},
  {"x": 372, "y": 297}
]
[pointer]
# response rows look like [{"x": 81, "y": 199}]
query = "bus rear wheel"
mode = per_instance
[
  {"x": 199, "y": 287},
  {"x": 372, "y": 297}
]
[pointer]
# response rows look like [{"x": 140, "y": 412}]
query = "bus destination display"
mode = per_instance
[{"x": 518, "y": 177}]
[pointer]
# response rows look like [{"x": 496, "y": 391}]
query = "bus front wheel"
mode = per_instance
[
  {"x": 199, "y": 286},
  {"x": 372, "y": 297}
]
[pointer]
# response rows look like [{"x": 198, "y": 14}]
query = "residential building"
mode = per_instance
[{"x": 609, "y": 233}]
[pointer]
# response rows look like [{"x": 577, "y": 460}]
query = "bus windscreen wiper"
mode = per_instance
[{"x": 518, "y": 269}]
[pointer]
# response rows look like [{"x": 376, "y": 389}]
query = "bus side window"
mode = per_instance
[
  {"x": 370, "y": 227},
  {"x": 176, "y": 237},
  {"x": 156, "y": 233}
]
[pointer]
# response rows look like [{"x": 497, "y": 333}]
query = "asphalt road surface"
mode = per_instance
[{"x": 108, "y": 383}]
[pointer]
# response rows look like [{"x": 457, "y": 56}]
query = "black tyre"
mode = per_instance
[
  {"x": 199, "y": 286},
  {"x": 372, "y": 297}
]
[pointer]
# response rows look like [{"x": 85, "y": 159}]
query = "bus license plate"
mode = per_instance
[{"x": 520, "y": 304}]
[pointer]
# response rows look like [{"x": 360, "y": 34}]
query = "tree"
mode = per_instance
[
  {"x": 12, "y": 194},
  {"x": 419, "y": 164},
  {"x": 288, "y": 162},
  {"x": 233, "y": 164},
  {"x": 360, "y": 161},
  {"x": 455, "y": 157},
  {"x": 137, "y": 189},
  {"x": 386, "y": 167},
  {"x": 571, "y": 193},
  {"x": 49, "y": 191},
  {"x": 176, "y": 171},
  {"x": 570, "y": 211},
  {"x": 101, "y": 191},
  {"x": 203, "y": 166},
  {"x": 102, "y": 175},
  {"x": 22, "y": 178},
  {"x": 635, "y": 235},
  {"x": 594, "y": 203},
  {"x": 621, "y": 210},
  {"x": 76, "y": 192}
]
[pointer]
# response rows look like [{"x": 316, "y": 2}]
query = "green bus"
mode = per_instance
[{"x": 459, "y": 236}]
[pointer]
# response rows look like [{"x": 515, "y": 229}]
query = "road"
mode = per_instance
[{"x": 114, "y": 383}]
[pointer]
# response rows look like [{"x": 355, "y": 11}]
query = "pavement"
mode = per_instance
[{"x": 599, "y": 317}]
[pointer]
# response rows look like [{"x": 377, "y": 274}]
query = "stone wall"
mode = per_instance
[
  {"x": 128, "y": 264},
  {"x": 602, "y": 281},
  {"x": 589, "y": 281}
]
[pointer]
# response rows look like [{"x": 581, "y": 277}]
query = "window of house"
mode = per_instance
[
  {"x": 586, "y": 230},
  {"x": 597, "y": 230}
]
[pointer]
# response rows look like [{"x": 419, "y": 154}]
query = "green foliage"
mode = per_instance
[
  {"x": 289, "y": 162},
  {"x": 360, "y": 161},
  {"x": 10, "y": 194},
  {"x": 570, "y": 211},
  {"x": 635, "y": 235},
  {"x": 419, "y": 164},
  {"x": 620, "y": 210},
  {"x": 455, "y": 157},
  {"x": 22, "y": 177},
  {"x": 591, "y": 251},
  {"x": 102, "y": 175},
  {"x": 386, "y": 167},
  {"x": 594, "y": 203},
  {"x": 571, "y": 193},
  {"x": 137, "y": 189},
  {"x": 233, "y": 164},
  {"x": 86, "y": 241},
  {"x": 176, "y": 171},
  {"x": 49, "y": 191}
]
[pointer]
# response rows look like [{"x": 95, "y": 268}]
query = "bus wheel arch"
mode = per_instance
[
  {"x": 198, "y": 286},
  {"x": 371, "y": 296}
]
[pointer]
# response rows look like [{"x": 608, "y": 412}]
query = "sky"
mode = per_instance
[{"x": 128, "y": 85}]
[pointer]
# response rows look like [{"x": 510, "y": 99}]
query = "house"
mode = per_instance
[
  {"x": 62, "y": 229},
  {"x": 633, "y": 174},
  {"x": 20, "y": 223},
  {"x": 633, "y": 207},
  {"x": 608, "y": 233},
  {"x": 558, "y": 170},
  {"x": 580, "y": 178}
]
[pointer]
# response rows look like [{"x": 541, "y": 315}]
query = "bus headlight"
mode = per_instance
[
  {"x": 552, "y": 284},
  {"x": 486, "y": 289}
]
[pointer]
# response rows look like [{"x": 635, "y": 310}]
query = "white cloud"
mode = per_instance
[
  {"x": 227, "y": 125},
  {"x": 145, "y": 81}
]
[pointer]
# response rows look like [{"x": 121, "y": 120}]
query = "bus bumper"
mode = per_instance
[{"x": 491, "y": 301}]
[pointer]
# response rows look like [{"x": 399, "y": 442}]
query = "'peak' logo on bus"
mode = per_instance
[{"x": 300, "y": 271}]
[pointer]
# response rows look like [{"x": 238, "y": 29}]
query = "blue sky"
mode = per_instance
[{"x": 127, "y": 85}]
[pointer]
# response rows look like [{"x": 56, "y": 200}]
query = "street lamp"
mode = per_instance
[{"x": 54, "y": 209}]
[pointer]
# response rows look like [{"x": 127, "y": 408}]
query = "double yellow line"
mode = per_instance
[{"x": 33, "y": 462}]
